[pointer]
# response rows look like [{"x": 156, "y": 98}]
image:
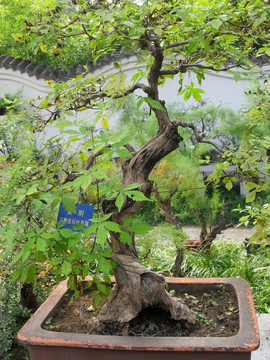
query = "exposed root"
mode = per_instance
[{"x": 138, "y": 288}]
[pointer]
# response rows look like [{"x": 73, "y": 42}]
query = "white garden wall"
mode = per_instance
[{"x": 220, "y": 88}]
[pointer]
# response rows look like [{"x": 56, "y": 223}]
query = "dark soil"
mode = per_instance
[{"x": 217, "y": 316}]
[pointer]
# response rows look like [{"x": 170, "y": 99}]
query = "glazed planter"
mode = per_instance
[{"x": 44, "y": 345}]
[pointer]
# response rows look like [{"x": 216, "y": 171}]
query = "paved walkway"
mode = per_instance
[
  {"x": 263, "y": 353},
  {"x": 233, "y": 233}
]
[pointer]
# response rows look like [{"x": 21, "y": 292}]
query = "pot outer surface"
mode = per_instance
[{"x": 49, "y": 345}]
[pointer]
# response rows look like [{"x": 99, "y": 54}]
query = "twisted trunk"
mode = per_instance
[{"x": 137, "y": 287}]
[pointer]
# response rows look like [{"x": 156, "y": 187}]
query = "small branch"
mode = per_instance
[
  {"x": 154, "y": 72},
  {"x": 177, "y": 44},
  {"x": 87, "y": 33},
  {"x": 198, "y": 136},
  {"x": 73, "y": 34},
  {"x": 71, "y": 23},
  {"x": 92, "y": 158},
  {"x": 210, "y": 67},
  {"x": 182, "y": 68},
  {"x": 131, "y": 149},
  {"x": 219, "y": 227},
  {"x": 102, "y": 95}
]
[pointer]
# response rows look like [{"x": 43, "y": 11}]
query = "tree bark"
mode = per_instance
[{"x": 138, "y": 288}]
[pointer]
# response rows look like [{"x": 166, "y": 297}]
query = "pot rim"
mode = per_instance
[{"x": 246, "y": 340}]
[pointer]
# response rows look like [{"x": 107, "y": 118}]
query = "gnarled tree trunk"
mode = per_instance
[{"x": 137, "y": 287}]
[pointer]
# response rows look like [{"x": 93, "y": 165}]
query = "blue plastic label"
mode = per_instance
[{"x": 83, "y": 215}]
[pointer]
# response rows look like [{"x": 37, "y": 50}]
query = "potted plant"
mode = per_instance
[
  {"x": 172, "y": 38},
  {"x": 60, "y": 345}
]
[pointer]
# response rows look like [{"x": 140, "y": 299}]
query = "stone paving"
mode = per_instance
[
  {"x": 233, "y": 233},
  {"x": 263, "y": 353}
]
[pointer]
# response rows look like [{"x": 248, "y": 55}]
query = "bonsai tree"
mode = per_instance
[{"x": 172, "y": 38}]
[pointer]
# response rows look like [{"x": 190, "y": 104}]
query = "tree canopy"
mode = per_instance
[{"x": 171, "y": 38}]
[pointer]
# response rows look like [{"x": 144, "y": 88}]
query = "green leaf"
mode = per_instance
[
  {"x": 66, "y": 268},
  {"x": 117, "y": 82},
  {"x": 112, "y": 226},
  {"x": 132, "y": 186},
  {"x": 187, "y": 94},
  {"x": 197, "y": 96},
  {"x": 96, "y": 300},
  {"x": 237, "y": 76},
  {"x": 140, "y": 228},
  {"x": 249, "y": 186},
  {"x": 101, "y": 236},
  {"x": 32, "y": 190},
  {"x": 100, "y": 174},
  {"x": 71, "y": 132},
  {"x": 29, "y": 245},
  {"x": 116, "y": 65},
  {"x": 90, "y": 230},
  {"x": 101, "y": 288},
  {"x": 31, "y": 272},
  {"x": 104, "y": 123},
  {"x": 105, "y": 265},
  {"x": 154, "y": 104},
  {"x": 69, "y": 205},
  {"x": 137, "y": 196},
  {"x": 123, "y": 153},
  {"x": 229, "y": 185},
  {"x": 56, "y": 261},
  {"x": 215, "y": 23},
  {"x": 18, "y": 36},
  {"x": 16, "y": 258},
  {"x": 195, "y": 43},
  {"x": 41, "y": 244},
  {"x": 66, "y": 233},
  {"x": 125, "y": 238},
  {"x": 63, "y": 123},
  {"x": 127, "y": 222},
  {"x": 20, "y": 199},
  {"x": 54, "y": 203},
  {"x": 251, "y": 196},
  {"x": 119, "y": 201}
]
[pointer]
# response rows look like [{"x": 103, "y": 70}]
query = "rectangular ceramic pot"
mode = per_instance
[{"x": 50, "y": 345}]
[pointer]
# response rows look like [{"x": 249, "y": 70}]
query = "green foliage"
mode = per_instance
[
  {"x": 78, "y": 162},
  {"x": 9, "y": 102},
  {"x": 178, "y": 176},
  {"x": 31, "y": 190},
  {"x": 252, "y": 157},
  {"x": 227, "y": 258},
  {"x": 13, "y": 318},
  {"x": 48, "y": 50},
  {"x": 258, "y": 216}
]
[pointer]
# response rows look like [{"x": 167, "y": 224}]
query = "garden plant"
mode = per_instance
[{"x": 171, "y": 38}]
